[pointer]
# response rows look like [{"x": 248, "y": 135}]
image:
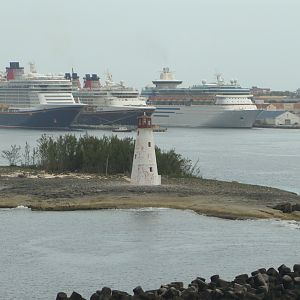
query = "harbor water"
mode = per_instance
[
  {"x": 43, "y": 253},
  {"x": 262, "y": 156}
]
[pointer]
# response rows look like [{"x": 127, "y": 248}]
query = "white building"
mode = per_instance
[
  {"x": 144, "y": 166},
  {"x": 277, "y": 118}
]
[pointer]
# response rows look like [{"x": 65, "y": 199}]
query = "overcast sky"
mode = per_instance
[{"x": 254, "y": 41}]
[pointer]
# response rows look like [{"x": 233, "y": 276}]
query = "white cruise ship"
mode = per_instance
[
  {"x": 207, "y": 105},
  {"x": 34, "y": 100},
  {"x": 109, "y": 103}
]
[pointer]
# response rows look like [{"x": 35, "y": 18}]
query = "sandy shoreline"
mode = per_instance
[{"x": 232, "y": 200}]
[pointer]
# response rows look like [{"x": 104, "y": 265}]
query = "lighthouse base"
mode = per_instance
[{"x": 142, "y": 176}]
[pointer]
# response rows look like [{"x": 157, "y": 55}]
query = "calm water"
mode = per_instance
[
  {"x": 46, "y": 252},
  {"x": 259, "y": 156}
]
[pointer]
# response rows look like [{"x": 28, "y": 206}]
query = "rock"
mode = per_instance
[
  {"x": 259, "y": 280},
  {"x": 251, "y": 296},
  {"x": 189, "y": 294},
  {"x": 217, "y": 294},
  {"x": 149, "y": 295},
  {"x": 223, "y": 283},
  {"x": 262, "y": 290},
  {"x": 241, "y": 279},
  {"x": 177, "y": 285},
  {"x": 229, "y": 295},
  {"x": 75, "y": 296},
  {"x": 287, "y": 282},
  {"x": 214, "y": 278},
  {"x": 138, "y": 291},
  {"x": 212, "y": 285},
  {"x": 272, "y": 272},
  {"x": 119, "y": 295},
  {"x": 171, "y": 293},
  {"x": 200, "y": 283},
  {"x": 296, "y": 207},
  {"x": 95, "y": 296},
  {"x": 239, "y": 288},
  {"x": 162, "y": 290},
  {"x": 105, "y": 293},
  {"x": 254, "y": 273},
  {"x": 284, "y": 207},
  {"x": 262, "y": 271},
  {"x": 61, "y": 296},
  {"x": 296, "y": 268},
  {"x": 206, "y": 294},
  {"x": 283, "y": 269},
  {"x": 297, "y": 281}
]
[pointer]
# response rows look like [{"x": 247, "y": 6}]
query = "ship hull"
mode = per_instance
[
  {"x": 47, "y": 118},
  {"x": 194, "y": 116},
  {"x": 116, "y": 116}
]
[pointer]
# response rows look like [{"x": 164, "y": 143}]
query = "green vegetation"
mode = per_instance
[{"x": 106, "y": 155}]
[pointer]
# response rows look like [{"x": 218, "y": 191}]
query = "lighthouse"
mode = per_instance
[{"x": 144, "y": 166}]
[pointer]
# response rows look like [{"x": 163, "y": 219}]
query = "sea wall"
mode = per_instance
[{"x": 262, "y": 284}]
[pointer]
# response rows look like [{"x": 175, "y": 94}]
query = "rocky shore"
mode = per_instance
[
  {"x": 40, "y": 191},
  {"x": 262, "y": 284}
]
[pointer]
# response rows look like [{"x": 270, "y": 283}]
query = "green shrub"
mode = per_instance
[{"x": 106, "y": 155}]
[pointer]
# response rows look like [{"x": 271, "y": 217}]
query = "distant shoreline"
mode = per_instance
[{"x": 67, "y": 192}]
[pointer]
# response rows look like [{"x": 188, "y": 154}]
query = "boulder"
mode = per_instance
[
  {"x": 287, "y": 282},
  {"x": 138, "y": 291},
  {"x": 200, "y": 283},
  {"x": 284, "y": 207},
  {"x": 217, "y": 294},
  {"x": 189, "y": 294},
  {"x": 283, "y": 269},
  {"x": 259, "y": 280},
  {"x": 272, "y": 272},
  {"x": 105, "y": 293},
  {"x": 61, "y": 296},
  {"x": 241, "y": 279},
  {"x": 76, "y": 296},
  {"x": 223, "y": 283},
  {"x": 171, "y": 293},
  {"x": 119, "y": 295},
  {"x": 214, "y": 278},
  {"x": 296, "y": 207},
  {"x": 297, "y": 281},
  {"x": 178, "y": 285},
  {"x": 95, "y": 296},
  {"x": 296, "y": 268}
]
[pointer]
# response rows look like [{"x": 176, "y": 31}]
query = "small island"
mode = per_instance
[
  {"x": 39, "y": 190},
  {"x": 69, "y": 173}
]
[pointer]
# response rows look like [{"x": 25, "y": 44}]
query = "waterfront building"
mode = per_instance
[{"x": 277, "y": 119}]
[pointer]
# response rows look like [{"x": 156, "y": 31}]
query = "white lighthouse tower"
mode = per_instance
[{"x": 144, "y": 166}]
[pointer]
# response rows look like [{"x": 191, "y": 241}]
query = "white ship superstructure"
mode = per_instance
[
  {"x": 35, "y": 100},
  {"x": 214, "y": 104}
]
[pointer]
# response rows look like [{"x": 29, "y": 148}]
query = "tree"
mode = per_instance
[{"x": 13, "y": 155}]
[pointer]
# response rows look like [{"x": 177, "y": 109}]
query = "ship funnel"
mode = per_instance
[{"x": 14, "y": 71}]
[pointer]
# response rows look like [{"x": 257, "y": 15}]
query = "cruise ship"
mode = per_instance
[
  {"x": 35, "y": 100},
  {"x": 108, "y": 104},
  {"x": 216, "y": 104}
]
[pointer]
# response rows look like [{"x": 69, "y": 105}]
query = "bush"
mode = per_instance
[{"x": 106, "y": 155}]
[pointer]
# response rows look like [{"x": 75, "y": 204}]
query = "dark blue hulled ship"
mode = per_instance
[
  {"x": 108, "y": 104},
  {"x": 35, "y": 100}
]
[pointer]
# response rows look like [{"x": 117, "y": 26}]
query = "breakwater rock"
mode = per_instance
[{"x": 262, "y": 284}]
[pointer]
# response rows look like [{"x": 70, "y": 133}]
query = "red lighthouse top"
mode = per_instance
[{"x": 144, "y": 122}]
